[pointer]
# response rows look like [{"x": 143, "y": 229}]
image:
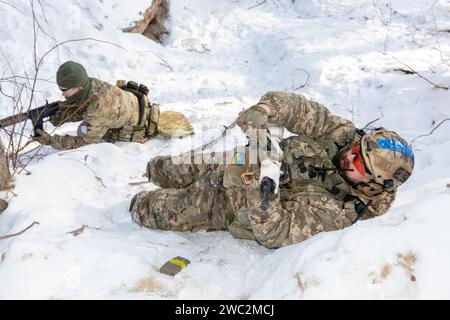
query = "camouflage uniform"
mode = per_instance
[
  {"x": 313, "y": 195},
  {"x": 106, "y": 111}
]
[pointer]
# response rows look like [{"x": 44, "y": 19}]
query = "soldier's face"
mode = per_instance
[
  {"x": 352, "y": 164},
  {"x": 67, "y": 93}
]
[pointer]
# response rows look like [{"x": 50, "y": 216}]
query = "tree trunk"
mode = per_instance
[
  {"x": 152, "y": 24},
  {"x": 5, "y": 176}
]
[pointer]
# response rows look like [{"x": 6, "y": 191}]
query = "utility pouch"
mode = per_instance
[
  {"x": 138, "y": 134},
  {"x": 125, "y": 134},
  {"x": 152, "y": 125}
]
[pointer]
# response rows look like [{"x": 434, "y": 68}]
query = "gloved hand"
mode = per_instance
[
  {"x": 42, "y": 137},
  {"x": 253, "y": 118},
  {"x": 58, "y": 118},
  {"x": 267, "y": 190}
]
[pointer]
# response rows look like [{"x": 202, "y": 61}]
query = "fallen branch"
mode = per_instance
[
  {"x": 20, "y": 232},
  {"x": 164, "y": 62},
  {"x": 78, "y": 231},
  {"x": 404, "y": 71},
  {"x": 306, "y": 82},
  {"x": 138, "y": 183},
  {"x": 438, "y": 86},
  {"x": 257, "y": 5}
]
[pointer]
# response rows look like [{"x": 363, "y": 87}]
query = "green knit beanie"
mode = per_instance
[{"x": 71, "y": 75}]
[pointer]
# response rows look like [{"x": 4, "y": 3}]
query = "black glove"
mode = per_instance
[
  {"x": 267, "y": 189},
  {"x": 42, "y": 137}
]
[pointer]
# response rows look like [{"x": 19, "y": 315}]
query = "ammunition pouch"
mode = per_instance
[{"x": 148, "y": 116}]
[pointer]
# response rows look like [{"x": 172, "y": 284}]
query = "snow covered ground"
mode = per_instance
[{"x": 220, "y": 57}]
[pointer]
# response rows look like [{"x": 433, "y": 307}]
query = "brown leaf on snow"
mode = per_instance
[
  {"x": 407, "y": 261},
  {"x": 385, "y": 272}
]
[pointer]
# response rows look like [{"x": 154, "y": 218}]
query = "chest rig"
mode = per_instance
[
  {"x": 308, "y": 167},
  {"x": 148, "y": 116}
]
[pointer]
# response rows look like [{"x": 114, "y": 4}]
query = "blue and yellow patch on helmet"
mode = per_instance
[{"x": 396, "y": 145}]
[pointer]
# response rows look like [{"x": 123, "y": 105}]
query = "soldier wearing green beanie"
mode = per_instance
[
  {"x": 120, "y": 112},
  {"x": 73, "y": 75}
]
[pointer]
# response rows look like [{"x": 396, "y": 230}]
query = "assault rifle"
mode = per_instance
[
  {"x": 267, "y": 190},
  {"x": 37, "y": 116}
]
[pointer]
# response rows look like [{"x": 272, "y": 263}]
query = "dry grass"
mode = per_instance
[
  {"x": 302, "y": 284},
  {"x": 148, "y": 285},
  {"x": 405, "y": 261}
]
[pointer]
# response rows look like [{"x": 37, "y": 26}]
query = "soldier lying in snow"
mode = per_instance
[
  {"x": 114, "y": 113},
  {"x": 323, "y": 179}
]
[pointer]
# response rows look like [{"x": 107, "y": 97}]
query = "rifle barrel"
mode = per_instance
[{"x": 9, "y": 121}]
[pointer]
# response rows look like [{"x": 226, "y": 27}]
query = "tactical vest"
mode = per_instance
[
  {"x": 148, "y": 116},
  {"x": 308, "y": 167}
]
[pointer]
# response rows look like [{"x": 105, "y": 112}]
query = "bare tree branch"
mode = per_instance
[
  {"x": 306, "y": 82},
  {"x": 431, "y": 132},
  {"x": 8, "y": 4},
  {"x": 438, "y": 86},
  {"x": 164, "y": 61},
  {"x": 257, "y": 5},
  {"x": 18, "y": 233}
]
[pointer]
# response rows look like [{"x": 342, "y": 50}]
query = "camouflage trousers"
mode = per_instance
[{"x": 193, "y": 197}]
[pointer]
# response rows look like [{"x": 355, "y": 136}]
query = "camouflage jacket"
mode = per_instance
[
  {"x": 313, "y": 196},
  {"x": 107, "y": 107}
]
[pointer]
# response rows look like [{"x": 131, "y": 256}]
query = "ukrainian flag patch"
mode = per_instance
[{"x": 238, "y": 158}]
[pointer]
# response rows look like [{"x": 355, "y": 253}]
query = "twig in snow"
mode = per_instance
[
  {"x": 373, "y": 121},
  {"x": 79, "y": 231},
  {"x": 71, "y": 151},
  {"x": 165, "y": 63},
  {"x": 257, "y": 5},
  {"x": 138, "y": 183},
  {"x": 439, "y": 86},
  {"x": 8, "y": 4},
  {"x": 403, "y": 70},
  {"x": 20, "y": 232},
  {"x": 99, "y": 179},
  {"x": 431, "y": 132},
  {"x": 306, "y": 82}
]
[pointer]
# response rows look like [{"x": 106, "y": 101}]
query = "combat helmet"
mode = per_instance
[{"x": 388, "y": 157}]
